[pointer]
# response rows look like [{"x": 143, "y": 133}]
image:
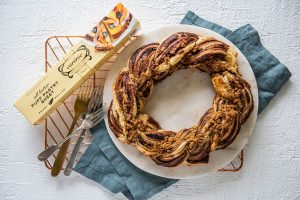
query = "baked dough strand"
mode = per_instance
[{"x": 152, "y": 63}]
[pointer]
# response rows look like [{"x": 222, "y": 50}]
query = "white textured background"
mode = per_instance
[{"x": 272, "y": 157}]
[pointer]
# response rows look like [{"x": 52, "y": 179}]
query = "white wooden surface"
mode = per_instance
[{"x": 272, "y": 157}]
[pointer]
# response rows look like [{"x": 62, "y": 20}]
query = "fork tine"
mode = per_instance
[
  {"x": 89, "y": 92},
  {"x": 85, "y": 92},
  {"x": 98, "y": 115},
  {"x": 98, "y": 121},
  {"x": 100, "y": 100},
  {"x": 101, "y": 111},
  {"x": 97, "y": 101},
  {"x": 82, "y": 91},
  {"x": 92, "y": 101},
  {"x": 80, "y": 94}
]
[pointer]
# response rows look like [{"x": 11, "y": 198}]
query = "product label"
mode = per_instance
[{"x": 75, "y": 62}]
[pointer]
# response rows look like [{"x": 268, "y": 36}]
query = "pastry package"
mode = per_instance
[{"x": 78, "y": 64}]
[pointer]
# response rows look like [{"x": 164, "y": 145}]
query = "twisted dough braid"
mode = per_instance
[{"x": 154, "y": 62}]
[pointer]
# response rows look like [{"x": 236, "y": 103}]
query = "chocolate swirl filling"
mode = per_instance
[{"x": 152, "y": 63}]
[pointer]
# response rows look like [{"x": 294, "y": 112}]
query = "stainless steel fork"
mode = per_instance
[
  {"x": 80, "y": 107},
  {"x": 89, "y": 122},
  {"x": 95, "y": 103}
]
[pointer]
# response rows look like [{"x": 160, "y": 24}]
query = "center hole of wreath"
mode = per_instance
[{"x": 181, "y": 100}]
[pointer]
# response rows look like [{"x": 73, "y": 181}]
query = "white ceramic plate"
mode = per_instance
[{"x": 179, "y": 102}]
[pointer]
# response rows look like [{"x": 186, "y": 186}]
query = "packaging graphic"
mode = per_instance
[{"x": 82, "y": 61}]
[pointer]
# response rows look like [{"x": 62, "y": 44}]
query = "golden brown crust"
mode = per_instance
[{"x": 152, "y": 63}]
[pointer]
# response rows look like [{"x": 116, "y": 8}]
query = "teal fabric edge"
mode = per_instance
[{"x": 84, "y": 167}]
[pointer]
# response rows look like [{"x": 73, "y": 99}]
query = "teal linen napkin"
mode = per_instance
[{"x": 102, "y": 161}]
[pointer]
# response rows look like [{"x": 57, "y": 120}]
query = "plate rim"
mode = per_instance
[{"x": 161, "y": 28}]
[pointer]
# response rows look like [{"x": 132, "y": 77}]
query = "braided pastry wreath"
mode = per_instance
[{"x": 154, "y": 62}]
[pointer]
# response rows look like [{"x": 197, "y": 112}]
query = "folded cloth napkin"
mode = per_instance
[{"x": 102, "y": 161}]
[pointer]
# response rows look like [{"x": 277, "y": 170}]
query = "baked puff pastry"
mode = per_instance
[{"x": 152, "y": 63}]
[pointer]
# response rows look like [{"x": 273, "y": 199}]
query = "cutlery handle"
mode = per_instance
[
  {"x": 44, "y": 155},
  {"x": 71, "y": 162},
  {"x": 59, "y": 161}
]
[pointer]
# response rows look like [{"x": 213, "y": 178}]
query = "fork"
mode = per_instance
[
  {"x": 80, "y": 107},
  {"x": 44, "y": 155},
  {"x": 94, "y": 104}
]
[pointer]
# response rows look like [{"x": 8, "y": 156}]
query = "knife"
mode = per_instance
[{"x": 76, "y": 149}]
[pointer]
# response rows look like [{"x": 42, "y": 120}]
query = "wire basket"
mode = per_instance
[{"x": 59, "y": 122}]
